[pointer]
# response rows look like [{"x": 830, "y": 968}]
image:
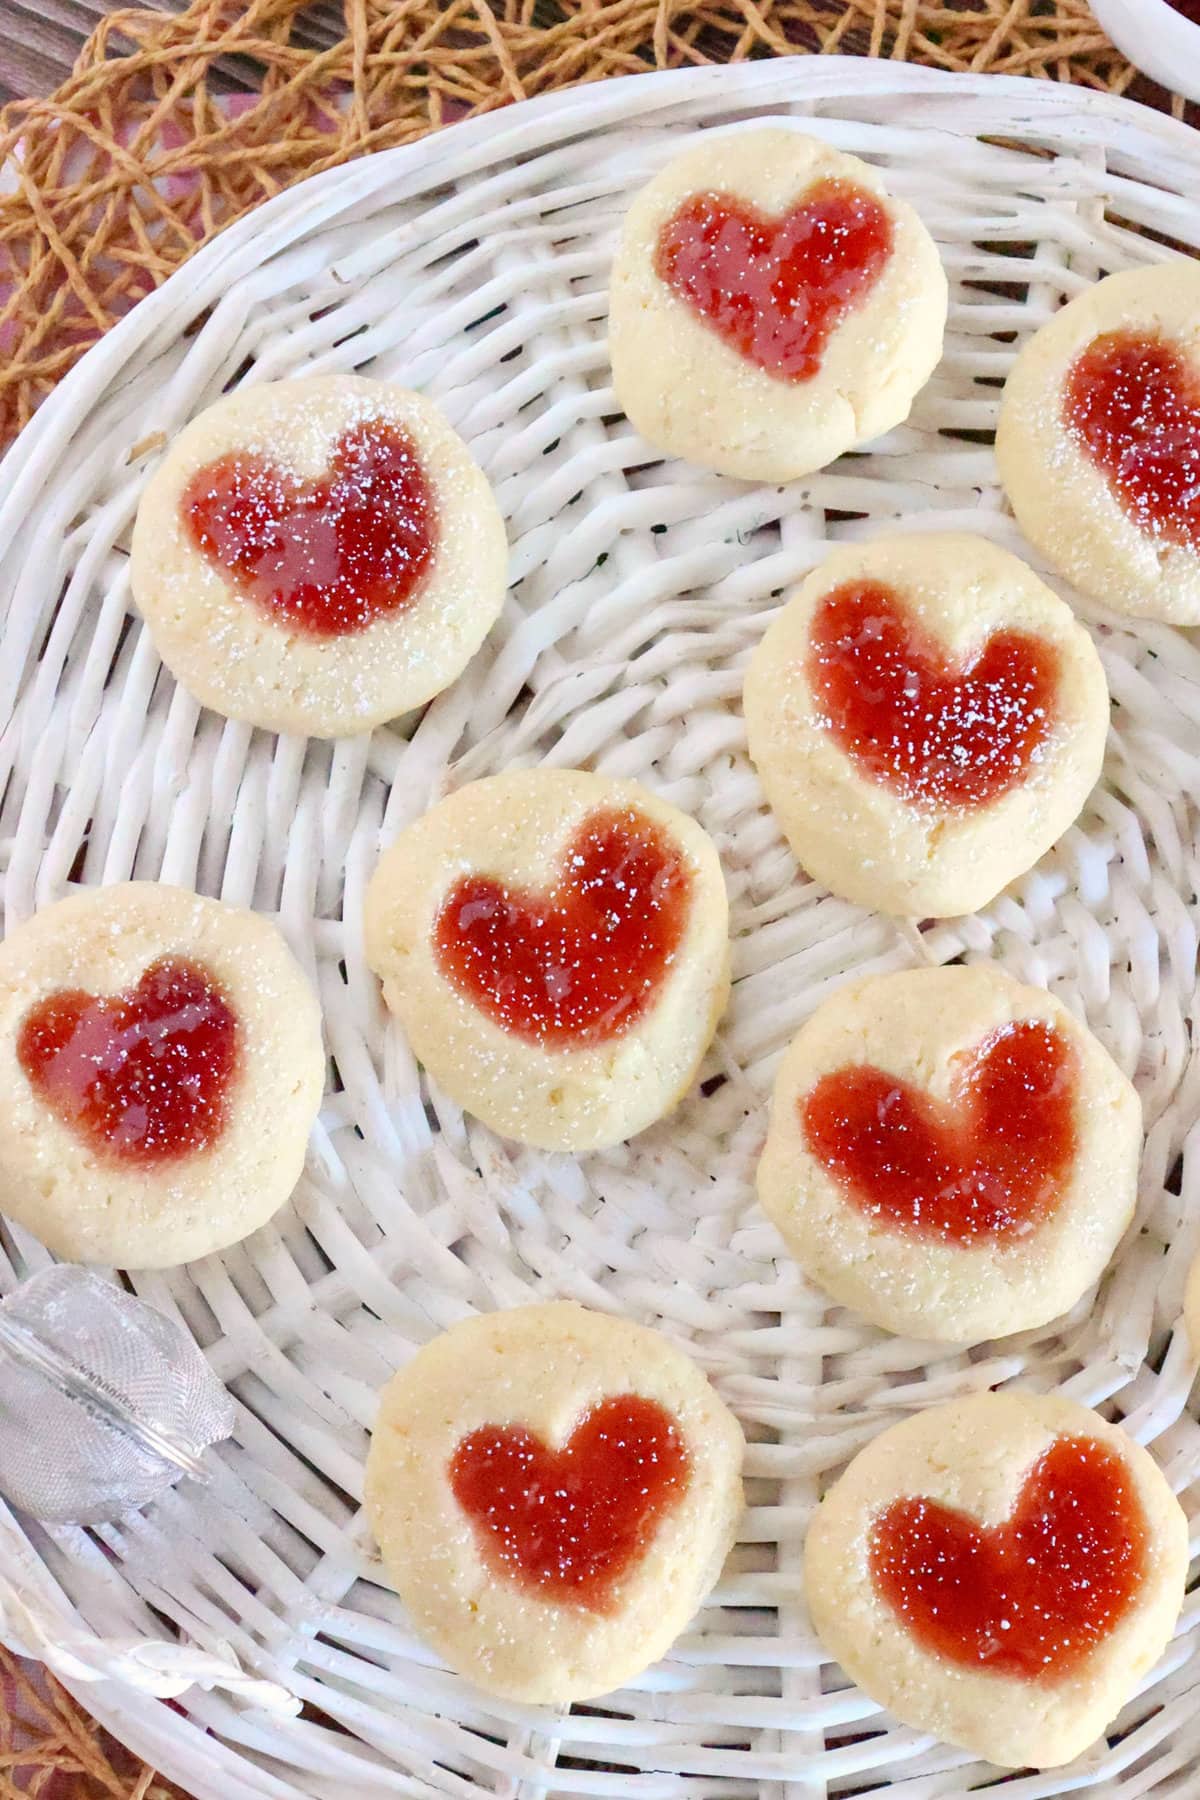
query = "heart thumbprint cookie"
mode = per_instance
[
  {"x": 1002, "y": 1572},
  {"x": 318, "y": 555},
  {"x": 1099, "y": 441},
  {"x": 556, "y": 946},
  {"x": 161, "y": 1066},
  {"x": 926, "y": 719},
  {"x": 772, "y": 305},
  {"x": 951, "y": 1153},
  {"x": 554, "y": 1492}
]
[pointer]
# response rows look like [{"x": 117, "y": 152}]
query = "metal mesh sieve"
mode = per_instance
[{"x": 104, "y": 1403}]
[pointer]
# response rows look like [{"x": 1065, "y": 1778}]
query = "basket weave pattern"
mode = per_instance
[
  {"x": 173, "y": 126},
  {"x": 478, "y": 274}
]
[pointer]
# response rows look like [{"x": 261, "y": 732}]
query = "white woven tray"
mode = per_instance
[{"x": 473, "y": 265}]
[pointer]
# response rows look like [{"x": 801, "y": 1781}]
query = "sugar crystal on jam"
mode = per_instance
[
  {"x": 568, "y": 1524},
  {"x": 936, "y": 733},
  {"x": 581, "y": 963},
  {"x": 141, "y": 1077},
  {"x": 775, "y": 289},
  {"x": 1132, "y": 401},
  {"x": 992, "y": 1165},
  {"x": 1034, "y": 1596},
  {"x": 324, "y": 557}
]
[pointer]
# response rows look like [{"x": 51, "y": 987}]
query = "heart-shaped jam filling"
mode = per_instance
[
  {"x": 1133, "y": 403},
  {"x": 936, "y": 734},
  {"x": 993, "y": 1165},
  {"x": 142, "y": 1077},
  {"x": 775, "y": 289},
  {"x": 1032, "y": 1597},
  {"x": 322, "y": 557},
  {"x": 582, "y": 962},
  {"x": 569, "y": 1523}
]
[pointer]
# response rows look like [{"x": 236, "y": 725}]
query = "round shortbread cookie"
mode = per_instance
[
  {"x": 318, "y": 555},
  {"x": 1001, "y": 1572},
  {"x": 161, "y": 1066},
  {"x": 556, "y": 946},
  {"x": 951, "y": 1153},
  {"x": 1099, "y": 441},
  {"x": 772, "y": 305},
  {"x": 554, "y": 1493},
  {"x": 926, "y": 718}
]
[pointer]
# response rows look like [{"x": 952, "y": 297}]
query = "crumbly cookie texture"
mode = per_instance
[
  {"x": 85, "y": 1206},
  {"x": 974, "y": 1456},
  {"x": 691, "y": 394},
  {"x": 1063, "y": 502},
  {"x": 855, "y": 833},
  {"x": 232, "y": 654},
  {"x": 921, "y": 1027},
  {"x": 541, "y": 1369},
  {"x": 517, "y": 829}
]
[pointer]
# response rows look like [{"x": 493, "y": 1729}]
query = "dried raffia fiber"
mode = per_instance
[
  {"x": 51, "y": 1748},
  {"x": 172, "y": 126}
]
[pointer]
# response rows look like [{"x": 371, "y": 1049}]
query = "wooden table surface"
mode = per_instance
[{"x": 40, "y": 39}]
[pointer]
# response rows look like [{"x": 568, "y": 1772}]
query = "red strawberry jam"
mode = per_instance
[
  {"x": 936, "y": 733},
  {"x": 775, "y": 289},
  {"x": 992, "y": 1166},
  {"x": 323, "y": 557},
  {"x": 1032, "y": 1597},
  {"x": 142, "y": 1077},
  {"x": 582, "y": 962},
  {"x": 1133, "y": 402},
  {"x": 568, "y": 1524}
]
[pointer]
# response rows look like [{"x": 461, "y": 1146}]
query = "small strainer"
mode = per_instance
[{"x": 104, "y": 1403}]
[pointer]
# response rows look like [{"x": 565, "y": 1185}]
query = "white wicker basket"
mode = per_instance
[{"x": 473, "y": 265}]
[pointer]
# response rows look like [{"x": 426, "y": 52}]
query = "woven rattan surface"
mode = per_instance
[
  {"x": 172, "y": 126},
  {"x": 476, "y": 269}
]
